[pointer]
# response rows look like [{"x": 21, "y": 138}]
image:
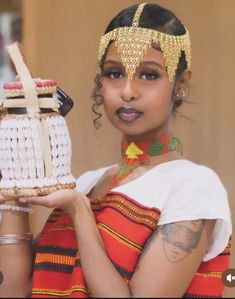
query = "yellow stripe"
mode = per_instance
[
  {"x": 55, "y": 258},
  {"x": 60, "y": 293},
  {"x": 61, "y": 227},
  {"x": 210, "y": 274},
  {"x": 129, "y": 205},
  {"x": 129, "y": 209},
  {"x": 131, "y": 215},
  {"x": 122, "y": 241},
  {"x": 108, "y": 229}
]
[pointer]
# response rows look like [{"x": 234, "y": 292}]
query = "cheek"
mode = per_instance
[
  {"x": 107, "y": 107},
  {"x": 160, "y": 88},
  {"x": 160, "y": 101},
  {"x": 106, "y": 90},
  {"x": 111, "y": 96}
]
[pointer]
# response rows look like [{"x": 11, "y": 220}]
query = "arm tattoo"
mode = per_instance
[
  {"x": 1, "y": 277},
  {"x": 180, "y": 238}
]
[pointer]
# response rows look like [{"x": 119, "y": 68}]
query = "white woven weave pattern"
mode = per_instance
[{"x": 21, "y": 152}]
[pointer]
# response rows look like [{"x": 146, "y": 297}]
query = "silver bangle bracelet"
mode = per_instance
[
  {"x": 16, "y": 208},
  {"x": 16, "y": 238}
]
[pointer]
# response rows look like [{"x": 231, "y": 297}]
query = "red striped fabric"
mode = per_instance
[{"x": 125, "y": 226}]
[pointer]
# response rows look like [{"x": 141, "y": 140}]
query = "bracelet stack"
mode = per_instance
[
  {"x": 16, "y": 238},
  {"x": 16, "y": 208}
]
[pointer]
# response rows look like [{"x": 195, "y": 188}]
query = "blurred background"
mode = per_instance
[{"x": 60, "y": 40}]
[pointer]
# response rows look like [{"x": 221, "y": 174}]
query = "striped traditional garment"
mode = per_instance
[{"x": 125, "y": 226}]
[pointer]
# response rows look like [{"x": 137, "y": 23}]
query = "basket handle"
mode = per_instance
[{"x": 31, "y": 98}]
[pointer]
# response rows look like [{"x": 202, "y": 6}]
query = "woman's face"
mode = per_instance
[{"x": 141, "y": 107}]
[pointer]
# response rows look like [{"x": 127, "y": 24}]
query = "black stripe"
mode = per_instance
[
  {"x": 57, "y": 250},
  {"x": 134, "y": 221},
  {"x": 111, "y": 194},
  {"x": 135, "y": 213},
  {"x": 78, "y": 263},
  {"x": 123, "y": 272},
  {"x": 53, "y": 267},
  {"x": 47, "y": 266}
]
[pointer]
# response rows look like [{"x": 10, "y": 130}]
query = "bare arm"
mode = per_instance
[
  {"x": 101, "y": 276},
  {"x": 15, "y": 259},
  {"x": 171, "y": 257}
]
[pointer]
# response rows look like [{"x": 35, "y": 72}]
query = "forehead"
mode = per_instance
[{"x": 152, "y": 54}]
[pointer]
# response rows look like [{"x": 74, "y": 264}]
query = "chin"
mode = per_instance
[
  {"x": 138, "y": 128},
  {"x": 133, "y": 132},
  {"x": 129, "y": 129}
]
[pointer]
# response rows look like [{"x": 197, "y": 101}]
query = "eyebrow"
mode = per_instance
[
  {"x": 152, "y": 63},
  {"x": 141, "y": 63},
  {"x": 112, "y": 61}
]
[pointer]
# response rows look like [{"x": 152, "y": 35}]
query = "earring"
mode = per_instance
[{"x": 181, "y": 94}]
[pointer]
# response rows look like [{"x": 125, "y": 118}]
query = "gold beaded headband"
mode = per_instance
[{"x": 132, "y": 43}]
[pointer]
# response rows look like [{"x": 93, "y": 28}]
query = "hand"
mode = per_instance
[
  {"x": 6, "y": 202},
  {"x": 4, "y": 199},
  {"x": 68, "y": 200}
]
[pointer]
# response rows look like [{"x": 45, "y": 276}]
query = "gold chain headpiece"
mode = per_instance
[{"x": 132, "y": 43}]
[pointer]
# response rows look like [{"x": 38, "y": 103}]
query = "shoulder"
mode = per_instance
[
  {"x": 197, "y": 192},
  {"x": 184, "y": 177},
  {"x": 188, "y": 170},
  {"x": 177, "y": 179},
  {"x": 88, "y": 179},
  {"x": 176, "y": 182},
  {"x": 194, "y": 186}
]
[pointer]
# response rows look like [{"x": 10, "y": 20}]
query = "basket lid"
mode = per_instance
[{"x": 13, "y": 89}]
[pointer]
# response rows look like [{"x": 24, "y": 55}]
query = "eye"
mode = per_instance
[
  {"x": 112, "y": 74},
  {"x": 149, "y": 75}
]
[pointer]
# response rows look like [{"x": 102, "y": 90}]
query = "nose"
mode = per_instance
[{"x": 129, "y": 91}]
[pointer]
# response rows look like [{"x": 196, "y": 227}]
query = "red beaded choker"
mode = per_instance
[{"x": 136, "y": 154}]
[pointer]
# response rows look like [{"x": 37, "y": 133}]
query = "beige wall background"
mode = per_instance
[{"x": 61, "y": 40}]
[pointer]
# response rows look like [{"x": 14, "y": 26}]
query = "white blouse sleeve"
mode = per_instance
[
  {"x": 199, "y": 194},
  {"x": 88, "y": 179}
]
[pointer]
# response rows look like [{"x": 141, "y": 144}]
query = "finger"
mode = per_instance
[
  {"x": 17, "y": 78},
  {"x": 4, "y": 199},
  {"x": 37, "y": 200}
]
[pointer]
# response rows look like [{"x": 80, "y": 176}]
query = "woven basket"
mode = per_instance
[{"x": 35, "y": 145}]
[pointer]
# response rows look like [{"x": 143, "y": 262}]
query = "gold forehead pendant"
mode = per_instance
[{"x": 132, "y": 43}]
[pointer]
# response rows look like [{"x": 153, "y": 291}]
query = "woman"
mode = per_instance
[{"x": 154, "y": 225}]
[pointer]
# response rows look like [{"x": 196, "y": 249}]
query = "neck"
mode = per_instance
[
  {"x": 143, "y": 137},
  {"x": 143, "y": 152},
  {"x": 153, "y": 146},
  {"x": 163, "y": 129}
]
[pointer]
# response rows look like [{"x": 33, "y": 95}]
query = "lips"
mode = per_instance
[{"x": 128, "y": 114}]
